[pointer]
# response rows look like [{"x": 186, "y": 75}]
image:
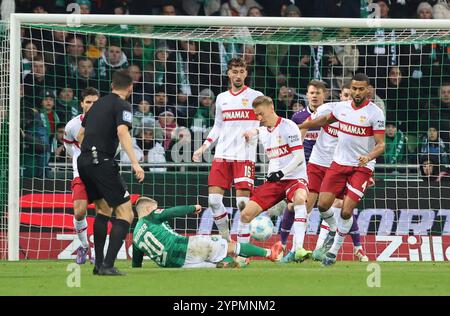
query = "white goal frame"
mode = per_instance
[{"x": 17, "y": 19}]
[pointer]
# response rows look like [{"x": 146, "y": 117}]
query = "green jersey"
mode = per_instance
[{"x": 155, "y": 238}]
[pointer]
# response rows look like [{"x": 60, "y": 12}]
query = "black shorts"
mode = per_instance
[{"x": 102, "y": 180}]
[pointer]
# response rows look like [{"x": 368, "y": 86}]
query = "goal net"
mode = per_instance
[{"x": 179, "y": 69}]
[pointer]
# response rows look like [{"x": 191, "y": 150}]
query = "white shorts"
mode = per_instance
[{"x": 205, "y": 251}]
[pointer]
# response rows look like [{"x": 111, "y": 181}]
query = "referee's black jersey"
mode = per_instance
[{"x": 101, "y": 123}]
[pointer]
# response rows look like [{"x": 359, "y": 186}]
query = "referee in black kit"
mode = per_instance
[{"x": 105, "y": 125}]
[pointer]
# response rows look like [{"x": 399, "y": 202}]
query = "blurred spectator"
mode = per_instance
[
  {"x": 438, "y": 112},
  {"x": 432, "y": 171},
  {"x": 237, "y": 7},
  {"x": 37, "y": 80},
  {"x": 98, "y": 46},
  {"x": 34, "y": 140},
  {"x": 255, "y": 12},
  {"x": 286, "y": 97},
  {"x": 433, "y": 145},
  {"x": 143, "y": 117},
  {"x": 143, "y": 51},
  {"x": 56, "y": 46},
  {"x": 343, "y": 61},
  {"x": 441, "y": 10},
  {"x": 140, "y": 88},
  {"x": 396, "y": 98},
  {"x": 85, "y": 6},
  {"x": 161, "y": 102},
  {"x": 112, "y": 59},
  {"x": 29, "y": 53},
  {"x": 291, "y": 11},
  {"x": 59, "y": 154},
  {"x": 195, "y": 7},
  {"x": 147, "y": 149},
  {"x": 67, "y": 105},
  {"x": 256, "y": 75},
  {"x": 167, "y": 122},
  {"x": 162, "y": 54},
  {"x": 66, "y": 65},
  {"x": 168, "y": 9},
  {"x": 86, "y": 77},
  {"x": 204, "y": 116},
  {"x": 424, "y": 11},
  {"x": 49, "y": 120},
  {"x": 396, "y": 149},
  {"x": 376, "y": 99}
]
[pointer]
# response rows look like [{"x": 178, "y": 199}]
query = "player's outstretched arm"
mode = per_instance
[
  {"x": 177, "y": 211},
  {"x": 318, "y": 122},
  {"x": 127, "y": 145},
  {"x": 378, "y": 150},
  {"x": 213, "y": 134}
]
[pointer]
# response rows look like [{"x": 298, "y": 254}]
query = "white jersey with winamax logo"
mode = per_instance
[
  {"x": 323, "y": 150},
  {"x": 279, "y": 142},
  {"x": 356, "y": 129},
  {"x": 234, "y": 116},
  {"x": 70, "y": 139}
]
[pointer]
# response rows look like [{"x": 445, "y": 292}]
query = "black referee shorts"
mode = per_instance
[{"x": 102, "y": 180}]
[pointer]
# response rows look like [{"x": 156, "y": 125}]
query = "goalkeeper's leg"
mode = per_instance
[{"x": 220, "y": 214}]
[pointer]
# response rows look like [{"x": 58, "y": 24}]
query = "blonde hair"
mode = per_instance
[
  {"x": 262, "y": 99},
  {"x": 143, "y": 202}
]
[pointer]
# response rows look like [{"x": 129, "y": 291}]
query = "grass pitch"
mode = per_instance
[{"x": 260, "y": 278}]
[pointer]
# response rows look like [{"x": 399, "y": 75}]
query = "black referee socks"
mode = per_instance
[
  {"x": 118, "y": 233},
  {"x": 100, "y": 231}
]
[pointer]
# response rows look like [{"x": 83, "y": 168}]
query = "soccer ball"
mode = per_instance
[{"x": 261, "y": 228}]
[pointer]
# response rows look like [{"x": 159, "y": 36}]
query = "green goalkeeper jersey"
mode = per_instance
[{"x": 155, "y": 238}]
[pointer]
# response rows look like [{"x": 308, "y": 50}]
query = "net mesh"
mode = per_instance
[{"x": 182, "y": 69}]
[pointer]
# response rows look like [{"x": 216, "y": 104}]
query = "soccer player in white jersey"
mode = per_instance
[
  {"x": 360, "y": 142},
  {"x": 287, "y": 171},
  {"x": 234, "y": 160},
  {"x": 79, "y": 195},
  {"x": 319, "y": 161}
]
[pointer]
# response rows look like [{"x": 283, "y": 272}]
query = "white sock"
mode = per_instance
[
  {"x": 237, "y": 248},
  {"x": 241, "y": 202},
  {"x": 324, "y": 229},
  {"x": 243, "y": 232},
  {"x": 299, "y": 225},
  {"x": 336, "y": 211},
  {"x": 344, "y": 226},
  {"x": 328, "y": 216},
  {"x": 81, "y": 230},
  {"x": 220, "y": 214}
]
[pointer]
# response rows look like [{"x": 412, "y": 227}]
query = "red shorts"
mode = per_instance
[
  {"x": 270, "y": 193},
  {"x": 223, "y": 173},
  {"x": 78, "y": 190},
  {"x": 351, "y": 181},
  {"x": 316, "y": 174}
]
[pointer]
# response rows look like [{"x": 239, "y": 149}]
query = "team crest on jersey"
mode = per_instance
[
  {"x": 158, "y": 211},
  {"x": 244, "y": 102},
  {"x": 280, "y": 139},
  {"x": 362, "y": 119}
]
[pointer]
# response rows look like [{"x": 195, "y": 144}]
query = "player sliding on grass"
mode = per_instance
[
  {"x": 155, "y": 238},
  {"x": 360, "y": 141},
  {"x": 287, "y": 172}
]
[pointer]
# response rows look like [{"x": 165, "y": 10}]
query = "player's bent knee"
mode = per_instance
[{"x": 215, "y": 201}]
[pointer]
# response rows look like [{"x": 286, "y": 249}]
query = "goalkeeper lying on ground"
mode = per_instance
[{"x": 155, "y": 238}]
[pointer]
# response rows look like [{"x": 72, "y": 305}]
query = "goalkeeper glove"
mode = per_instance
[{"x": 275, "y": 176}]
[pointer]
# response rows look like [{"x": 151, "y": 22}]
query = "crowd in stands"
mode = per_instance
[{"x": 176, "y": 82}]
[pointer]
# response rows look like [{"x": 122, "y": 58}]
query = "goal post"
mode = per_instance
[{"x": 242, "y": 30}]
